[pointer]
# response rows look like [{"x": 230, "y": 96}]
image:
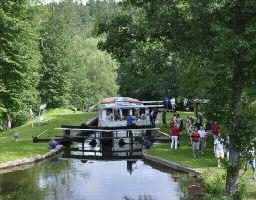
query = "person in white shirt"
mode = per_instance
[
  {"x": 188, "y": 122},
  {"x": 173, "y": 103},
  {"x": 218, "y": 150},
  {"x": 202, "y": 134}
]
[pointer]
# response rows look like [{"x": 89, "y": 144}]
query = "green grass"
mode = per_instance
[
  {"x": 183, "y": 155},
  {"x": 205, "y": 163},
  {"x": 11, "y": 150}
]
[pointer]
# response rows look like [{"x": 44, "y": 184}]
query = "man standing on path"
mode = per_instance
[
  {"x": 202, "y": 134},
  {"x": 195, "y": 139},
  {"x": 175, "y": 133}
]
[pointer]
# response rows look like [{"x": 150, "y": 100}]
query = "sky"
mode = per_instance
[{"x": 48, "y": 1}]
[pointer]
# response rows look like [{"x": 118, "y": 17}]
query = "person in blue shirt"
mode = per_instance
[
  {"x": 166, "y": 102},
  {"x": 129, "y": 120}
]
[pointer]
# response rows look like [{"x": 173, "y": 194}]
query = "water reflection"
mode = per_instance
[
  {"x": 93, "y": 180},
  {"x": 107, "y": 172}
]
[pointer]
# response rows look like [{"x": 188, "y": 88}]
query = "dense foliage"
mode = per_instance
[
  {"x": 49, "y": 55},
  {"x": 211, "y": 47},
  {"x": 19, "y": 60}
]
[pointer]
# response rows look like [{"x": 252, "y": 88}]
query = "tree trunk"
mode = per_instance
[
  {"x": 234, "y": 159},
  {"x": 6, "y": 122},
  {"x": 232, "y": 175}
]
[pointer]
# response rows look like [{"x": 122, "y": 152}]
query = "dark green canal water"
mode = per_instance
[{"x": 71, "y": 179}]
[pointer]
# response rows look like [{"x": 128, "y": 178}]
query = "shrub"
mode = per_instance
[{"x": 19, "y": 118}]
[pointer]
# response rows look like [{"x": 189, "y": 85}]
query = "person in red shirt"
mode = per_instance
[
  {"x": 195, "y": 138},
  {"x": 175, "y": 133},
  {"x": 215, "y": 130}
]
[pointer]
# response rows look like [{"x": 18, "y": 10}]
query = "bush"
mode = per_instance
[
  {"x": 214, "y": 184},
  {"x": 19, "y": 118}
]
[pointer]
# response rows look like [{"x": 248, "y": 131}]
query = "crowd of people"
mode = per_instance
[{"x": 199, "y": 133}]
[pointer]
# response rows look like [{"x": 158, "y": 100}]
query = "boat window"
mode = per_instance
[
  {"x": 117, "y": 114},
  {"x": 125, "y": 112},
  {"x": 110, "y": 115},
  {"x": 142, "y": 111},
  {"x": 136, "y": 112}
]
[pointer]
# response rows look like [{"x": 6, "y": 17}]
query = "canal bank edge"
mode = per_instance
[
  {"x": 30, "y": 160},
  {"x": 172, "y": 165},
  {"x": 149, "y": 158}
]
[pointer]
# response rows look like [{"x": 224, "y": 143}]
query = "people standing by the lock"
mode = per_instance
[
  {"x": 195, "y": 139},
  {"x": 166, "y": 102},
  {"x": 173, "y": 104},
  {"x": 202, "y": 134},
  {"x": 153, "y": 115},
  {"x": 187, "y": 124},
  {"x": 174, "y": 136}
]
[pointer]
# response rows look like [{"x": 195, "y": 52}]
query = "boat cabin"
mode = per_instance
[{"x": 113, "y": 112}]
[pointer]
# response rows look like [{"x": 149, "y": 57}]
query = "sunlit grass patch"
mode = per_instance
[{"x": 11, "y": 150}]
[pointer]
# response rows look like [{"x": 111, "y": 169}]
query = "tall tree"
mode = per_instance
[
  {"x": 74, "y": 72},
  {"x": 56, "y": 37},
  {"x": 146, "y": 70},
  {"x": 19, "y": 60},
  {"x": 213, "y": 37}
]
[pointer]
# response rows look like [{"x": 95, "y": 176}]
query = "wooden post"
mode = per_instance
[
  {"x": 131, "y": 142},
  {"x": 83, "y": 145}
]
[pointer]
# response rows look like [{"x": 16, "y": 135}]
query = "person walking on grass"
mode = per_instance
[
  {"x": 175, "y": 133},
  {"x": 202, "y": 134},
  {"x": 195, "y": 139},
  {"x": 250, "y": 160},
  {"x": 218, "y": 151}
]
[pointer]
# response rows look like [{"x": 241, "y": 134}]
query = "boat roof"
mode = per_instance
[{"x": 121, "y": 102}]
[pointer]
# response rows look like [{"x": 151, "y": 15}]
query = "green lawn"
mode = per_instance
[
  {"x": 206, "y": 163},
  {"x": 11, "y": 150}
]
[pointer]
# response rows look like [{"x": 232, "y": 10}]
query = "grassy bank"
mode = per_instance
[
  {"x": 11, "y": 150},
  {"x": 206, "y": 163}
]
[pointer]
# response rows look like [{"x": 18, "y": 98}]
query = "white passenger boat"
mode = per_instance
[{"x": 114, "y": 111}]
